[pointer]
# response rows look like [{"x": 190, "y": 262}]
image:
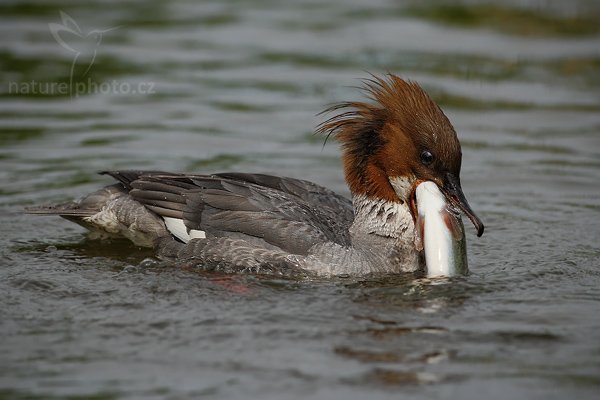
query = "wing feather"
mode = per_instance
[{"x": 284, "y": 213}]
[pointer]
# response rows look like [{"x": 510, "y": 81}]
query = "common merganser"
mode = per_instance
[{"x": 399, "y": 152}]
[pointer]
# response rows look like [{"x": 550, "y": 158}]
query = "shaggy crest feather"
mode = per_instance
[{"x": 399, "y": 110}]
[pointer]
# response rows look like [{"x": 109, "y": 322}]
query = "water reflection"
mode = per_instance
[{"x": 237, "y": 85}]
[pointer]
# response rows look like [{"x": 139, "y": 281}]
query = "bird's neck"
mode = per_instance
[{"x": 381, "y": 217}]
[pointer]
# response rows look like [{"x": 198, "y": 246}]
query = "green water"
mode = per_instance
[{"x": 236, "y": 86}]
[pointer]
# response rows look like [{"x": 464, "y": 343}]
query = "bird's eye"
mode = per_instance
[{"x": 426, "y": 157}]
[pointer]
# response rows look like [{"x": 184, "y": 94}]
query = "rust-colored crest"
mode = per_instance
[{"x": 383, "y": 139}]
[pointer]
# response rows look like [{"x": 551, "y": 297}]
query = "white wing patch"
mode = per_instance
[
  {"x": 177, "y": 228},
  {"x": 194, "y": 234},
  {"x": 180, "y": 231}
]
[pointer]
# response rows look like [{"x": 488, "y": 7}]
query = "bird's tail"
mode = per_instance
[{"x": 112, "y": 211}]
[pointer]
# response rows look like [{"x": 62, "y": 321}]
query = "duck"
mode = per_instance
[{"x": 394, "y": 144}]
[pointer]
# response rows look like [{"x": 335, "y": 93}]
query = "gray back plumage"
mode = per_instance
[{"x": 267, "y": 211}]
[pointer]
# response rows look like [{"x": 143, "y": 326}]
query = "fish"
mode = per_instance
[{"x": 439, "y": 233}]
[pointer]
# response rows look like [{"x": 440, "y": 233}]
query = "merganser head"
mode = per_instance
[{"x": 400, "y": 140}]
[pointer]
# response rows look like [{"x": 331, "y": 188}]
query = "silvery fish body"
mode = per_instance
[{"x": 440, "y": 233}]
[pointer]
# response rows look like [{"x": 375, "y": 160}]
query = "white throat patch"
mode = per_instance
[{"x": 402, "y": 185}]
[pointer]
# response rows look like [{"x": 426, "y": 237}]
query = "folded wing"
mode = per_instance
[{"x": 271, "y": 212}]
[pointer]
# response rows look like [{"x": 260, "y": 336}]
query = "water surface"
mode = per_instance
[{"x": 236, "y": 86}]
